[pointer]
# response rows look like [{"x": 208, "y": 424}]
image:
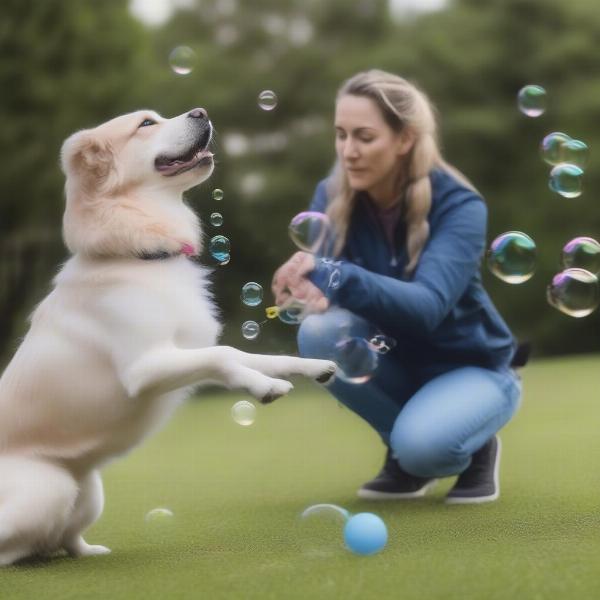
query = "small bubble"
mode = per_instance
[
  {"x": 551, "y": 147},
  {"x": 243, "y": 413},
  {"x": 182, "y": 60},
  {"x": 532, "y": 100},
  {"x": 216, "y": 219},
  {"x": 160, "y": 516},
  {"x": 326, "y": 509},
  {"x": 219, "y": 247},
  {"x": 217, "y": 194},
  {"x": 250, "y": 330},
  {"x": 566, "y": 180},
  {"x": 582, "y": 253},
  {"x": 267, "y": 100},
  {"x": 252, "y": 294},
  {"x": 293, "y": 313},
  {"x": 511, "y": 257},
  {"x": 575, "y": 292}
]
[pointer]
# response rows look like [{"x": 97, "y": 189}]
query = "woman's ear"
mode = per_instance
[{"x": 406, "y": 141}]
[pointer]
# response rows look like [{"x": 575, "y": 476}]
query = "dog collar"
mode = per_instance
[{"x": 186, "y": 249}]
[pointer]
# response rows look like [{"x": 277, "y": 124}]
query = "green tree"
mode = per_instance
[{"x": 64, "y": 65}]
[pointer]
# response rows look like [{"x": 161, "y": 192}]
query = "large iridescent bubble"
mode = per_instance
[
  {"x": 511, "y": 257},
  {"x": 356, "y": 359},
  {"x": 310, "y": 231},
  {"x": 575, "y": 292}
]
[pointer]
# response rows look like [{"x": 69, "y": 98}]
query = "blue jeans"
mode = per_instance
[{"x": 433, "y": 418}]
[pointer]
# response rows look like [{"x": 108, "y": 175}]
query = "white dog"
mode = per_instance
[{"x": 127, "y": 330}]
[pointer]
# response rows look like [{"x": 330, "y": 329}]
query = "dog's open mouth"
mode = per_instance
[{"x": 170, "y": 166}]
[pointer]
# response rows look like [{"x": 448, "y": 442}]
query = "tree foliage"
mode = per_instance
[{"x": 65, "y": 65}]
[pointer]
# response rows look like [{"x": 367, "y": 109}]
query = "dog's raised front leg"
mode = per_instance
[{"x": 168, "y": 368}]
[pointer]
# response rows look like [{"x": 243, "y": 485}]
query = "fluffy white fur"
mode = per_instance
[{"x": 119, "y": 342}]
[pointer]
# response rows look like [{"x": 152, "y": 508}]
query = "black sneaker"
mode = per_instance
[
  {"x": 479, "y": 483},
  {"x": 392, "y": 483}
]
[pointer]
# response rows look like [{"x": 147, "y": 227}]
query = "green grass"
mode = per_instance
[{"x": 237, "y": 493}]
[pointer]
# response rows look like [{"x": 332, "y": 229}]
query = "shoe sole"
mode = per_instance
[
  {"x": 374, "y": 495},
  {"x": 482, "y": 499}
]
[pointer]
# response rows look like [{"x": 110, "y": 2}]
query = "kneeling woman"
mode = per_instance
[{"x": 410, "y": 232}]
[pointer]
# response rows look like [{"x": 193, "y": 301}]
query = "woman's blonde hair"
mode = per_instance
[{"x": 404, "y": 107}]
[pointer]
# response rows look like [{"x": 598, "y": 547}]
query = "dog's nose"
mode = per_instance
[{"x": 198, "y": 113}]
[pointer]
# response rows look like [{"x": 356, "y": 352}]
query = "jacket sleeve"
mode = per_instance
[{"x": 447, "y": 264}]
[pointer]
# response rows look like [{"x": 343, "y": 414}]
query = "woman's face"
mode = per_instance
[{"x": 369, "y": 150}]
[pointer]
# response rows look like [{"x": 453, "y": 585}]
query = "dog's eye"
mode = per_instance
[{"x": 147, "y": 123}]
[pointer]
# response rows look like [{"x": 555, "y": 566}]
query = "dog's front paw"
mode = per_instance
[
  {"x": 327, "y": 375},
  {"x": 279, "y": 388}
]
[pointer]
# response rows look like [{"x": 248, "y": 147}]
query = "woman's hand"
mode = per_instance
[{"x": 290, "y": 282}]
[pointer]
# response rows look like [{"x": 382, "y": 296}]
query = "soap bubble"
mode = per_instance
[
  {"x": 582, "y": 253},
  {"x": 309, "y": 230},
  {"x": 217, "y": 194},
  {"x": 565, "y": 179},
  {"x": 381, "y": 343},
  {"x": 252, "y": 294},
  {"x": 320, "y": 529},
  {"x": 574, "y": 292},
  {"x": 243, "y": 413},
  {"x": 356, "y": 360},
  {"x": 267, "y": 100},
  {"x": 250, "y": 330},
  {"x": 511, "y": 257},
  {"x": 532, "y": 100},
  {"x": 182, "y": 60},
  {"x": 219, "y": 247},
  {"x": 216, "y": 219},
  {"x": 292, "y": 313},
  {"x": 159, "y": 516},
  {"x": 575, "y": 152},
  {"x": 326, "y": 509},
  {"x": 551, "y": 147}
]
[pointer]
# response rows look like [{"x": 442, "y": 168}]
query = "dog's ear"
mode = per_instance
[{"x": 88, "y": 159}]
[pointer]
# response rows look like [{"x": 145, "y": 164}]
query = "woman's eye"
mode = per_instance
[{"x": 147, "y": 123}]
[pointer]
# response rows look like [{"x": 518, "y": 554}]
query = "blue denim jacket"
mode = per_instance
[{"x": 440, "y": 313}]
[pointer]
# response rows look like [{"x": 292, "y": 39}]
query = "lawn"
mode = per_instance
[{"x": 237, "y": 492}]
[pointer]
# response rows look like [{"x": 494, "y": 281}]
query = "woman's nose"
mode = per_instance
[{"x": 349, "y": 150}]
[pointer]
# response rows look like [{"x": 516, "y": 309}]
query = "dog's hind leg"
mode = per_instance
[
  {"x": 36, "y": 500},
  {"x": 88, "y": 507}
]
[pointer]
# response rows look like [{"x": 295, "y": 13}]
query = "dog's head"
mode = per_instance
[
  {"x": 140, "y": 149},
  {"x": 128, "y": 175}
]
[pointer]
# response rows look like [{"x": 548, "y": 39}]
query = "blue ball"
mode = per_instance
[{"x": 365, "y": 533}]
